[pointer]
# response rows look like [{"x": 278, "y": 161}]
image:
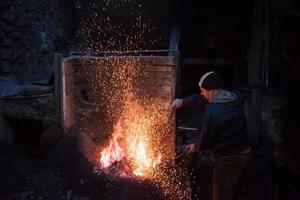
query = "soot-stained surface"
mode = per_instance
[{"x": 63, "y": 172}]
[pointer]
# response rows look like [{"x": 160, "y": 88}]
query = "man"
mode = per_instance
[{"x": 223, "y": 130}]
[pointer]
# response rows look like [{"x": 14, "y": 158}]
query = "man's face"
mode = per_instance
[{"x": 205, "y": 93}]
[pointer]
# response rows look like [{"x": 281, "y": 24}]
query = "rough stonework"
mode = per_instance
[{"x": 31, "y": 31}]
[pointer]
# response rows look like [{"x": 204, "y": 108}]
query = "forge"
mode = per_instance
[
  {"x": 123, "y": 101},
  {"x": 86, "y": 90}
]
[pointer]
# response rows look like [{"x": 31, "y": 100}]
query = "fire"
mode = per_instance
[
  {"x": 133, "y": 153},
  {"x": 142, "y": 158},
  {"x": 114, "y": 152}
]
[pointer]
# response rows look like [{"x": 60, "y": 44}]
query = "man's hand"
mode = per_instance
[
  {"x": 191, "y": 148},
  {"x": 177, "y": 103}
]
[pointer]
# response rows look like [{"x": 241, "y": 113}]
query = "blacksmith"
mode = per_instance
[{"x": 223, "y": 131}]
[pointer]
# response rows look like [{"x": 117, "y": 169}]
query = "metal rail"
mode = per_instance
[{"x": 125, "y": 53}]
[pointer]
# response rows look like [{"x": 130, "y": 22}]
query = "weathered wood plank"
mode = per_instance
[
  {"x": 157, "y": 80},
  {"x": 57, "y": 77},
  {"x": 254, "y": 70},
  {"x": 67, "y": 95},
  {"x": 150, "y": 60}
]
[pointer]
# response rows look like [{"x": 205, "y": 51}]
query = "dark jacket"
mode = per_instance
[{"x": 223, "y": 128}]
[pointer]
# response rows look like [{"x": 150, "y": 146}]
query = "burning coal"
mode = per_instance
[
  {"x": 133, "y": 158},
  {"x": 134, "y": 146},
  {"x": 139, "y": 144},
  {"x": 138, "y": 140}
]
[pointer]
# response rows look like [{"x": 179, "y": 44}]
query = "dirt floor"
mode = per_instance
[
  {"x": 63, "y": 173},
  {"x": 64, "y": 169}
]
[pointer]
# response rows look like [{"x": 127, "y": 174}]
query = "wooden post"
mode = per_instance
[
  {"x": 254, "y": 70},
  {"x": 57, "y": 89},
  {"x": 266, "y": 68}
]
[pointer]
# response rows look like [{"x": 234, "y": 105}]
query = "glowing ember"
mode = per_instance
[
  {"x": 139, "y": 144},
  {"x": 140, "y": 159},
  {"x": 114, "y": 152}
]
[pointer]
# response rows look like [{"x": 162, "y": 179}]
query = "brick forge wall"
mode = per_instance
[{"x": 89, "y": 104}]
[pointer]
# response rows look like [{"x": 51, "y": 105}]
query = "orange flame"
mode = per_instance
[
  {"x": 114, "y": 152},
  {"x": 142, "y": 158},
  {"x": 137, "y": 152}
]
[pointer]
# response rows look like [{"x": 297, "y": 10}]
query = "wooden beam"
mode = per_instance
[
  {"x": 256, "y": 42},
  {"x": 266, "y": 47},
  {"x": 254, "y": 70},
  {"x": 57, "y": 78},
  {"x": 151, "y": 60},
  {"x": 213, "y": 61}
]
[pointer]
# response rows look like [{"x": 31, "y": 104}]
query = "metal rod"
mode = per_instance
[
  {"x": 180, "y": 155},
  {"x": 187, "y": 128}
]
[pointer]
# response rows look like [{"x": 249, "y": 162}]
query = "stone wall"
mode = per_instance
[
  {"x": 31, "y": 31},
  {"x": 273, "y": 127},
  {"x": 272, "y": 116}
]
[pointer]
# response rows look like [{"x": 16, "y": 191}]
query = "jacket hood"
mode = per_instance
[{"x": 226, "y": 97}]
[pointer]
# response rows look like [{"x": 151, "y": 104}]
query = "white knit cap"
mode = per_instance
[{"x": 204, "y": 77}]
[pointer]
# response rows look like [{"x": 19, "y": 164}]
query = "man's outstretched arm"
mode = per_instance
[{"x": 191, "y": 100}]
